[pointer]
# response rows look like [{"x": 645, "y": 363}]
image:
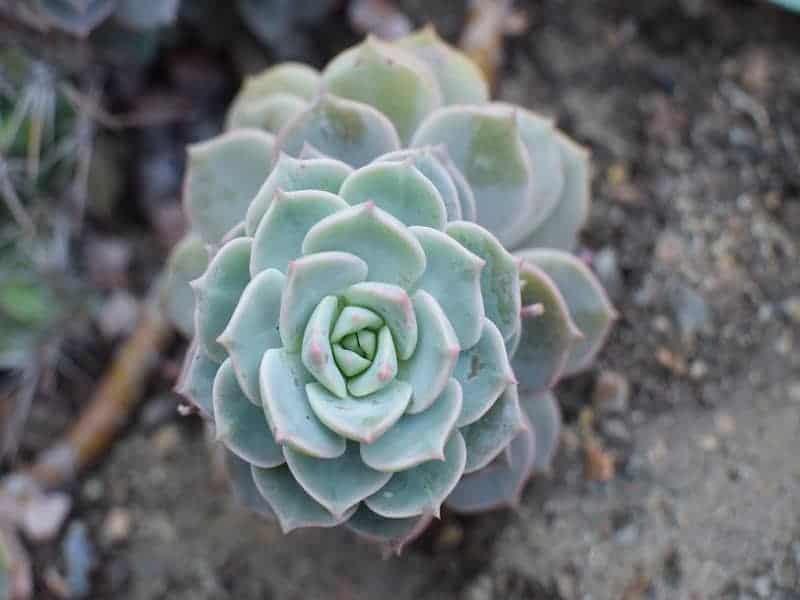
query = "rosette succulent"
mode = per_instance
[{"x": 365, "y": 342}]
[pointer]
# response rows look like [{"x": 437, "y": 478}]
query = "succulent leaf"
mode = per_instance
[
  {"x": 585, "y": 298},
  {"x": 393, "y": 534},
  {"x": 338, "y": 483},
  {"x": 253, "y": 329},
  {"x": 394, "y": 82},
  {"x": 421, "y": 489},
  {"x": 187, "y": 262},
  {"x": 279, "y": 237},
  {"x": 283, "y": 382},
  {"x": 400, "y": 189},
  {"x": 485, "y": 145},
  {"x": 499, "y": 484},
  {"x": 483, "y": 372},
  {"x": 362, "y": 419},
  {"x": 547, "y": 333},
  {"x": 416, "y": 438},
  {"x": 393, "y": 305},
  {"x": 312, "y": 278},
  {"x": 317, "y": 353},
  {"x": 393, "y": 255},
  {"x": 541, "y": 142},
  {"x": 269, "y": 114},
  {"x": 217, "y": 293},
  {"x": 197, "y": 378},
  {"x": 291, "y": 504},
  {"x": 544, "y": 415},
  {"x": 499, "y": 277},
  {"x": 353, "y": 319},
  {"x": 287, "y": 79},
  {"x": 560, "y": 228},
  {"x": 431, "y": 165},
  {"x": 292, "y": 175},
  {"x": 222, "y": 177},
  {"x": 381, "y": 372},
  {"x": 453, "y": 277},
  {"x": 434, "y": 358},
  {"x": 241, "y": 425},
  {"x": 459, "y": 79},
  {"x": 240, "y": 475},
  {"x": 489, "y": 436},
  {"x": 352, "y": 132}
]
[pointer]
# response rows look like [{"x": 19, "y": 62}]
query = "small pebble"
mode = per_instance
[
  {"x": 762, "y": 586},
  {"x": 93, "y": 489},
  {"x": 450, "y": 536},
  {"x": 709, "y": 442},
  {"x": 698, "y": 369},
  {"x": 691, "y": 310},
  {"x": 616, "y": 430},
  {"x": 166, "y": 439},
  {"x": 794, "y": 391},
  {"x": 611, "y": 393},
  {"x": 117, "y": 526},
  {"x": 791, "y": 306}
]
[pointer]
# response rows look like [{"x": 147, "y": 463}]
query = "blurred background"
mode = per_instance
[{"x": 677, "y": 474}]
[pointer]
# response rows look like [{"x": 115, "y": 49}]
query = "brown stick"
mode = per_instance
[{"x": 112, "y": 402}]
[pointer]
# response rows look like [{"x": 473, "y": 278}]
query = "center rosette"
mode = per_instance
[{"x": 349, "y": 349}]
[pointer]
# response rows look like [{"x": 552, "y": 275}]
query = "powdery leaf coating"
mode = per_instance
[{"x": 355, "y": 321}]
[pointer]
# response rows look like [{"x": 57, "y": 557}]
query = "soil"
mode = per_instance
[{"x": 690, "y": 110}]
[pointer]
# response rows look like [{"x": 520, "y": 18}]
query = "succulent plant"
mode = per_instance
[{"x": 365, "y": 342}]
